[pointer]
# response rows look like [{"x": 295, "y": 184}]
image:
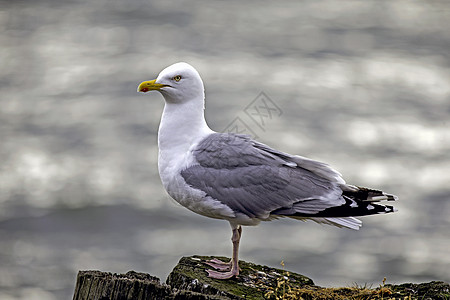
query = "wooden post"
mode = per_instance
[
  {"x": 189, "y": 281},
  {"x": 96, "y": 285}
]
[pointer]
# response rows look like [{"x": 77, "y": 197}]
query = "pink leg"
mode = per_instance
[{"x": 233, "y": 264}]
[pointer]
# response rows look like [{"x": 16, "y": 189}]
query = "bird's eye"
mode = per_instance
[{"x": 177, "y": 78}]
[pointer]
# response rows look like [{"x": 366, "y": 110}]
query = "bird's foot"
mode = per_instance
[
  {"x": 224, "y": 270},
  {"x": 219, "y": 265},
  {"x": 222, "y": 275}
]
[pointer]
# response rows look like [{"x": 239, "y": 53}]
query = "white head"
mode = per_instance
[{"x": 178, "y": 83}]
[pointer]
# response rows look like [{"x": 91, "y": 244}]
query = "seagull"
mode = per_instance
[{"x": 235, "y": 178}]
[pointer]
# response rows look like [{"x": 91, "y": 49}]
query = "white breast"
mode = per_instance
[{"x": 170, "y": 165}]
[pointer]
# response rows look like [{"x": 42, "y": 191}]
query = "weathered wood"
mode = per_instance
[
  {"x": 96, "y": 285},
  {"x": 253, "y": 282},
  {"x": 132, "y": 285},
  {"x": 189, "y": 280}
]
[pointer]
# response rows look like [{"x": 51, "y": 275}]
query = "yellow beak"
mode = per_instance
[{"x": 151, "y": 85}]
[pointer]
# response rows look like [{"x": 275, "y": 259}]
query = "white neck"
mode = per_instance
[{"x": 182, "y": 125}]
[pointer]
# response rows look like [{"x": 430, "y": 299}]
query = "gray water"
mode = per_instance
[{"x": 362, "y": 85}]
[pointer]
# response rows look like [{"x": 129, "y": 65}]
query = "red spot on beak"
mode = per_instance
[{"x": 144, "y": 90}]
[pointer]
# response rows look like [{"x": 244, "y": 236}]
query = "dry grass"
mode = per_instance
[{"x": 285, "y": 290}]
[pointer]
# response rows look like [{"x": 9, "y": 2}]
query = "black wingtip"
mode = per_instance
[
  {"x": 366, "y": 194},
  {"x": 391, "y": 197},
  {"x": 388, "y": 209}
]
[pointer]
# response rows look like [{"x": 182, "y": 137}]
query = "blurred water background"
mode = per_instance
[{"x": 362, "y": 85}]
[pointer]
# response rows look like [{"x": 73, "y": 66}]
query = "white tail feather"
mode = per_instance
[{"x": 349, "y": 222}]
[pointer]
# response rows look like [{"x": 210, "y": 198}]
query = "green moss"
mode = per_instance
[
  {"x": 262, "y": 282},
  {"x": 431, "y": 290},
  {"x": 189, "y": 281},
  {"x": 253, "y": 282},
  {"x": 436, "y": 290}
]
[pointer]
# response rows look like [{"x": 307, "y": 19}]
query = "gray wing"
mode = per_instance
[{"x": 256, "y": 180}]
